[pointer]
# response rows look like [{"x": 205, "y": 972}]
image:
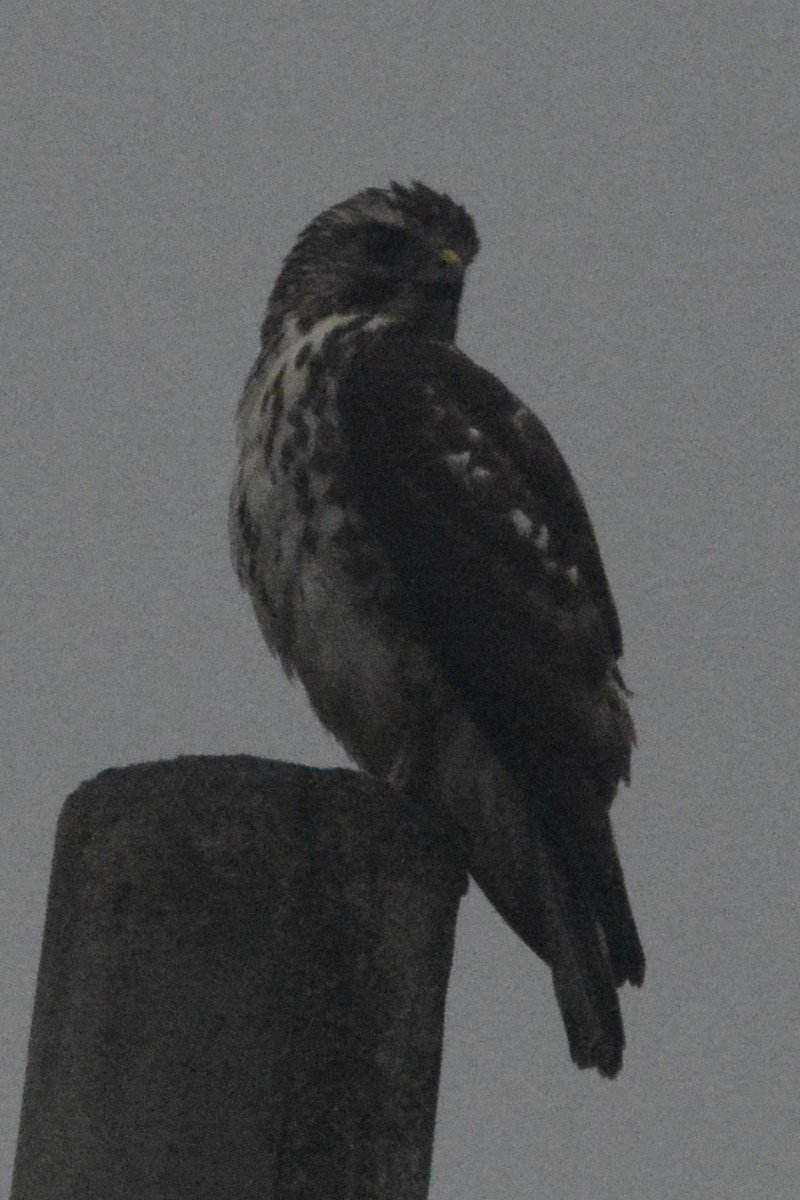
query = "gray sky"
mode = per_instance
[{"x": 634, "y": 171}]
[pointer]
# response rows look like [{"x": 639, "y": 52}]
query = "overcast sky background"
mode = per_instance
[{"x": 634, "y": 170}]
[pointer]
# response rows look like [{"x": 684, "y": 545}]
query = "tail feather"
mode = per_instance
[
  {"x": 595, "y": 945},
  {"x": 583, "y": 976},
  {"x": 550, "y": 911},
  {"x": 619, "y": 928},
  {"x": 545, "y": 858},
  {"x": 577, "y": 830}
]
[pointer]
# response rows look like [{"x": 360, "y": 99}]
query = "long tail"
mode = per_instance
[
  {"x": 566, "y": 899},
  {"x": 546, "y": 859},
  {"x": 594, "y": 944},
  {"x": 583, "y": 974},
  {"x": 553, "y": 919}
]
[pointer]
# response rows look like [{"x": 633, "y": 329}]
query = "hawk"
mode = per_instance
[{"x": 419, "y": 556}]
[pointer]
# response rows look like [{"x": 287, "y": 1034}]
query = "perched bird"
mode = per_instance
[{"x": 419, "y": 556}]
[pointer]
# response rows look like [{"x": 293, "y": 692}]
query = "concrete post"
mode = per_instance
[{"x": 241, "y": 990}]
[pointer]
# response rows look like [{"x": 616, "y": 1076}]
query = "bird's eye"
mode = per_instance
[{"x": 387, "y": 245}]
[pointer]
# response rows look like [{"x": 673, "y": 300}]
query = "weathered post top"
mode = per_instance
[{"x": 241, "y": 990}]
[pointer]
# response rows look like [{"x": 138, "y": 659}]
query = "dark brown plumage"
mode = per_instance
[{"x": 419, "y": 555}]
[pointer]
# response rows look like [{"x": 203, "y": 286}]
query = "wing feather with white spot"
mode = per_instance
[{"x": 486, "y": 528}]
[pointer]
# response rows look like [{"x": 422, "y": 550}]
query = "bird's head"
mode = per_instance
[{"x": 399, "y": 253}]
